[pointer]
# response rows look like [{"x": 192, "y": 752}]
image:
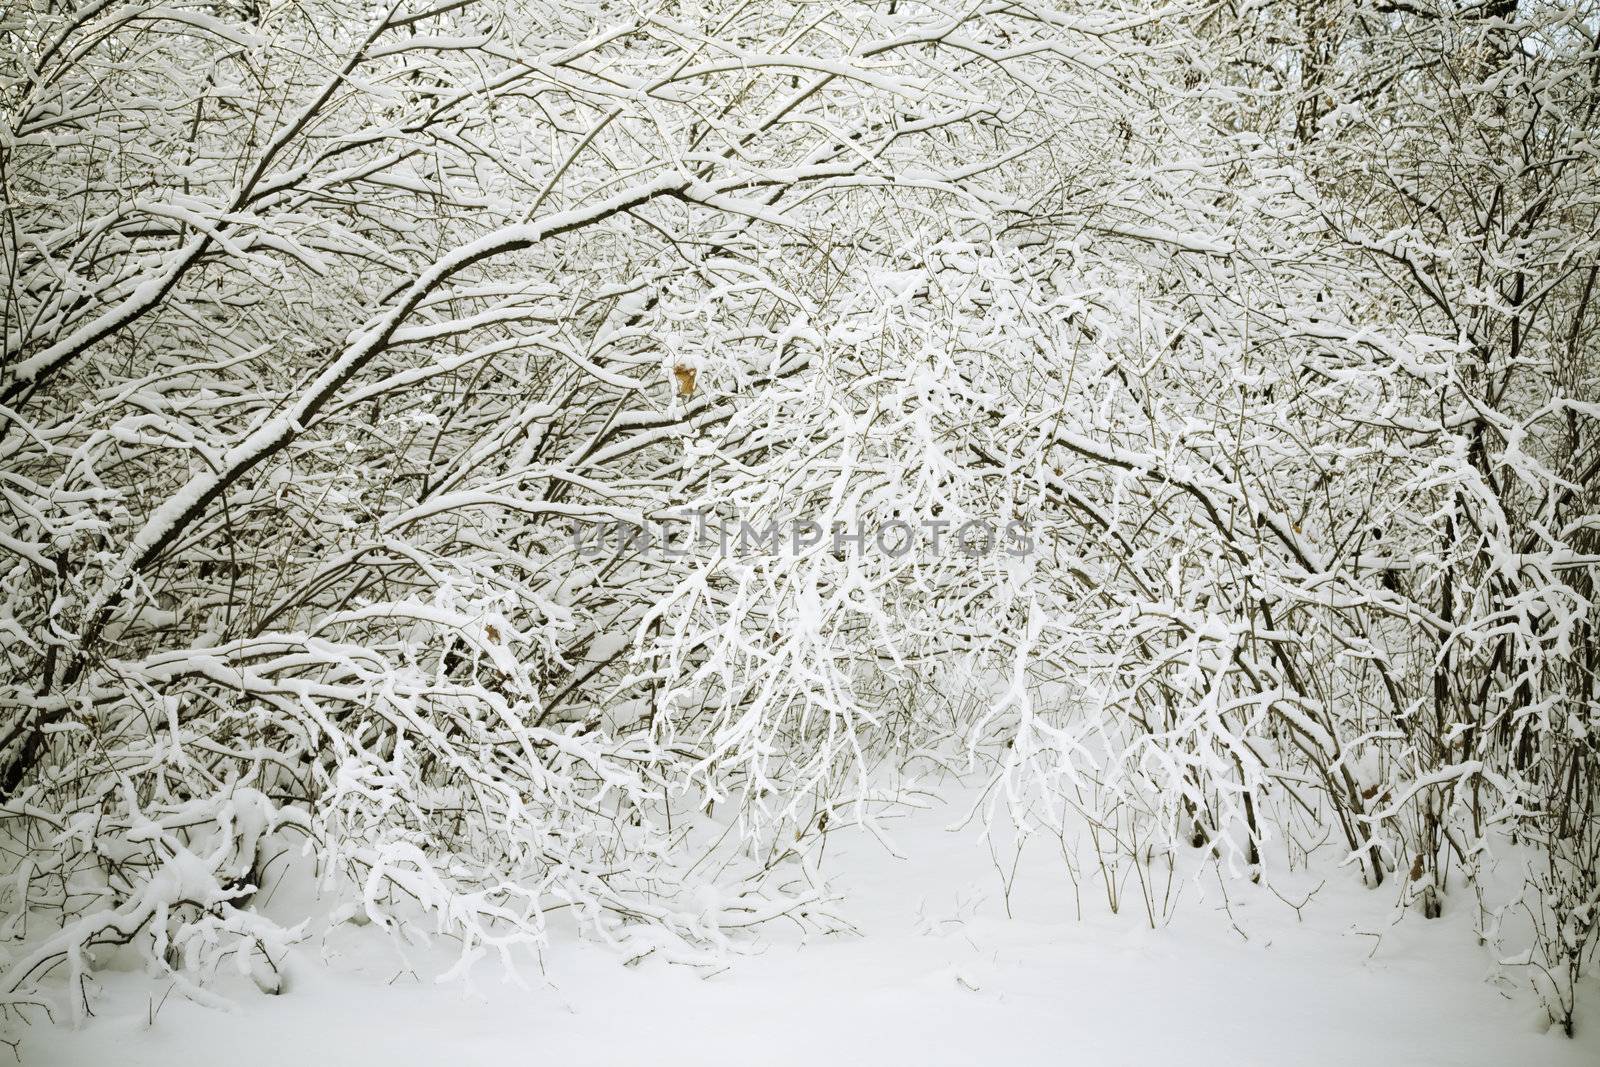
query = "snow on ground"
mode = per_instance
[{"x": 938, "y": 975}]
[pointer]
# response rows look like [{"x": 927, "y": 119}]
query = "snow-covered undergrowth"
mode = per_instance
[
  {"x": 960, "y": 950},
  {"x": 341, "y": 340}
]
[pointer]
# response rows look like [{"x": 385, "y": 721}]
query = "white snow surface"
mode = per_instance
[{"x": 938, "y": 974}]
